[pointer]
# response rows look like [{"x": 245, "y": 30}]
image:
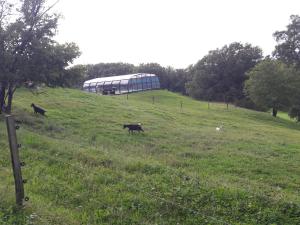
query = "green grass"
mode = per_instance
[
  {"x": 83, "y": 168},
  {"x": 285, "y": 116}
]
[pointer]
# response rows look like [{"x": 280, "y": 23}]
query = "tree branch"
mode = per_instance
[{"x": 50, "y": 7}]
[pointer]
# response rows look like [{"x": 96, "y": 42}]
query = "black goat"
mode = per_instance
[
  {"x": 133, "y": 127},
  {"x": 38, "y": 109}
]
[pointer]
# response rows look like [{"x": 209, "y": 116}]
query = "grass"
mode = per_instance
[
  {"x": 83, "y": 168},
  {"x": 285, "y": 116}
]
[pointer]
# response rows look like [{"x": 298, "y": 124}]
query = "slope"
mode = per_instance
[{"x": 83, "y": 168}]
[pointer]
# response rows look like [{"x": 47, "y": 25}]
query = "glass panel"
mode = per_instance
[{"x": 134, "y": 84}]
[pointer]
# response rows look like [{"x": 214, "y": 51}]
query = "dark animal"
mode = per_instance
[
  {"x": 133, "y": 127},
  {"x": 38, "y": 109}
]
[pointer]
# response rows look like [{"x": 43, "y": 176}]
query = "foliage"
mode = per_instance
[
  {"x": 272, "y": 84},
  {"x": 294, "y": 112},
  {"x": 170, "y": 78},
  {"x": 220, "y": 75},
  {"x": 28, "y": 51},
  {"x": 288, "y": 48},
  {"x": 178, "y": 79},
  {"x": 75, "y": 76},
  {"x": 108, "y": 69},
  {"x": 83, "y": 168},
  {"x": 158, "y": 70}
]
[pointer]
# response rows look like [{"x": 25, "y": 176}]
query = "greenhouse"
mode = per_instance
[{"x": 122, "y": 84}]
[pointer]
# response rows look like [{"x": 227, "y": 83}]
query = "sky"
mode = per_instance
[{"x": 174, "y": 33}]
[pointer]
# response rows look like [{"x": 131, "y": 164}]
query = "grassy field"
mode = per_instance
[{"x": 83, "y": 168}]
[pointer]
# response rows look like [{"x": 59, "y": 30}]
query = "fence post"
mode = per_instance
[{"x": 15, "y": 159}]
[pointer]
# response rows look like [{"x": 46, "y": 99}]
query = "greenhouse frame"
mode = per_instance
[{"x": 122, "y": 84}]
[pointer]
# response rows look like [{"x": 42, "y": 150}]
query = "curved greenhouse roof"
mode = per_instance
[{"x": 122, "y": 84}]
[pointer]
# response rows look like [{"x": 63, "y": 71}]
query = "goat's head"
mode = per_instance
[
  {"x": 32, "y": 105},
  {"x": 124, "y": 126}
]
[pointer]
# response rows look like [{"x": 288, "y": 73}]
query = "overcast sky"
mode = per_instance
[{"x": 173, "y": 33}]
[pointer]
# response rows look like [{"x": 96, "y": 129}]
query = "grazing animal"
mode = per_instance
[
  {"x": 219, "y": 128},
  {"x": 133, "y": 127},
  {"x": 38, "y": 109}
]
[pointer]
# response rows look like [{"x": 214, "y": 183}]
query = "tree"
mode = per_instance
[
  {"x": 75, "y": 76},
  {"x": 177, "y": 79},
  {"x": 288, "y": 51},
  {"x": 220, "y": 75},
  {"x": 288, "y": 48},
  {"x": 170, "y": 78},
  {"x": 108, "y": 69},
  {"x": 158, "y": 70},
  {"x": 272, "y": 84},
  {"x": 27, "y": 49}
]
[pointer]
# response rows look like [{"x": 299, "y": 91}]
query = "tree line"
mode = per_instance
[
  {"x": 170, "y": 78},
  {"x": 237, "y": 73}
]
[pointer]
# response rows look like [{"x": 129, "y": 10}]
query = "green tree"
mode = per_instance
[
  {"x": 272, "y": 84},
  {"x": 158, "y": 70},
  {"x": 177, "y": 79},
  {"x": 109, "y": 69},
  {"x": 288, "y": 51},
  {"x": 27, "y": 49},
  {"x": 288, "y": 48},
  {"x": 220, "y": 75},
  {"x": 75, "y": 76},
  {"x": 170, "y": 78}
]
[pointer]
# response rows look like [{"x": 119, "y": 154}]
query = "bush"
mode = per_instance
[{"x": 294, "y": 113}]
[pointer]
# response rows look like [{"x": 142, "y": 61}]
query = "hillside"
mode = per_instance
[{"x": 84, "y": 168}]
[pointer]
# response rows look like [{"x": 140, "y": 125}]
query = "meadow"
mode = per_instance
[{"x": 82, "y": 167}]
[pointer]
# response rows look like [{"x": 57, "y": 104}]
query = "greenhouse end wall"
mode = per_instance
[{"x": 122, "y": 84}]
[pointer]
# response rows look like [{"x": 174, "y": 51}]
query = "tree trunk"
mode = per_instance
[
  {"x": 2, "y": 96},
  {"x": 10, "y": 93},
  {"x": 274, "y": 112}
]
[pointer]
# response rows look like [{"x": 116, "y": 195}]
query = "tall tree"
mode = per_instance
[
  {"x": 288, "y": 47},
  {"x": 27, "y": 49},
  {"x": 220, "y": 75},
  {"x": 272, "y": 84},
  {"x": 177, "y": 79}
]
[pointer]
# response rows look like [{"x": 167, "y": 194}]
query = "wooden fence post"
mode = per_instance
[{"x": 15, "y": 159}]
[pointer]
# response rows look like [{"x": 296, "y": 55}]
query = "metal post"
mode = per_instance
[{"x": 16, "y": 164}]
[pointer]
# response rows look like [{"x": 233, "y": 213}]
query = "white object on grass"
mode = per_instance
[{"x": 219, "y": 128}]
